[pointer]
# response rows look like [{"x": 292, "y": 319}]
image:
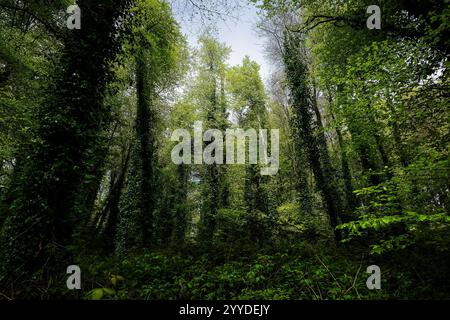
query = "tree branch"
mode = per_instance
[{"x": 47, "y": 26}]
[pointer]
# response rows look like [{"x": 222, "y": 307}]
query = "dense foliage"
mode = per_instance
[{"x": 86, "y": 170}]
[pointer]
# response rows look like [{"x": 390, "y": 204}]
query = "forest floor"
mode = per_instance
[{"x": 303, "y": 272}]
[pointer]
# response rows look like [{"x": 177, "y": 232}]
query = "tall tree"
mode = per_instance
[
  {"x": 159, "y": 50},
  {"x": 212, "y": 57},
  {"x": 302, "y": 101},
  {"x": 46, "y": 182},
  {"x": 249, "y": 103}
]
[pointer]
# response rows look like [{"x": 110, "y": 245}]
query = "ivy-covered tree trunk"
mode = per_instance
[
  {"x": 181, "y": 209},
  {"x": 256, "y": 201},
  {"x": 297, "y": 76},
  {"x": 250, "y": 101},
  {"x": 88, "y": 195},
  {"x": 302, "y": 170},
  {"x": 346, "y": 174},
  {"x": 327, "y": 167},
  {"x": 255, "y": 196},
  {"x": 211, "y": 186},
  {"x": 47, "y": 181},
  {"x": 110, "y": 215},
  {"x": 146, "y": 150},
  {"x": 224, "y": 183},
  {"x": 214, "y": 184},
  {"x": 136, "y": 217}
]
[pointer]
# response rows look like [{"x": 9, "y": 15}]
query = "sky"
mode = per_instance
[{"x": 238, "y": 32}]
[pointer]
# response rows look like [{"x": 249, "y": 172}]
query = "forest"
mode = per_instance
[{"x": 103, "y": 192}]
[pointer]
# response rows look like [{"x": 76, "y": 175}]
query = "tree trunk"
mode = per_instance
[{"x": 46, "y": 184}]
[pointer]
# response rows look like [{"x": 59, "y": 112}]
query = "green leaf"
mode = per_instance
[{"x": 96, "y": 294}]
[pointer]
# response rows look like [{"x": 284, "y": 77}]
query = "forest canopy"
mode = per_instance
[{"x": 356, "y": 120}]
